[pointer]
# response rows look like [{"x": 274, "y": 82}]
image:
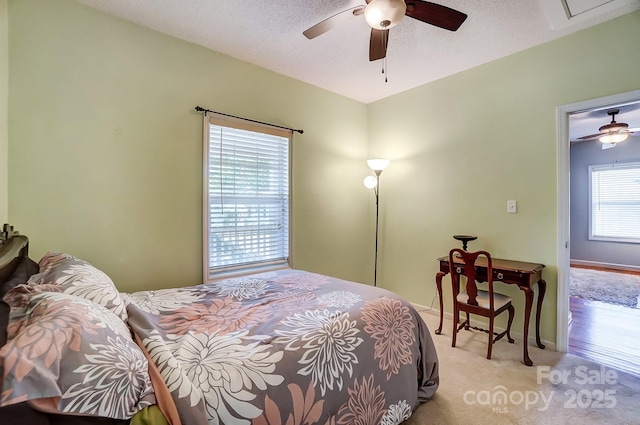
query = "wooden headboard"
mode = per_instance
[{"x": 12, "y": 246}]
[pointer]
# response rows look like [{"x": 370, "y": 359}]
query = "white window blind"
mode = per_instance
[
  {"x": 615, "y": 202},
  {"x": 246, "y": 196}
]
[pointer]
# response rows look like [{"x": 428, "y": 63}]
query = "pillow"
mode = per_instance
[
  {"x": 77, "y": 277},
  {"x": 67, "y": 354},
  {"x": 23, "y": 271}
]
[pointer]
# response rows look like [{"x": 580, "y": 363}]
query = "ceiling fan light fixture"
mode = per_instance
[
  {"x": 613, "y": 137},
  {"x": 384, "y": 14}
]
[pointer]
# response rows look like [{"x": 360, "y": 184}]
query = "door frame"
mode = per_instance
[{"x": 563, "y": 202}]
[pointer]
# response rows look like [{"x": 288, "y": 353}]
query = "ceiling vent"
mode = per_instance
[{"x": 563, "y": 13}]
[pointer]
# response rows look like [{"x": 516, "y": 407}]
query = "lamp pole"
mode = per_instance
[
  {"x": 370, "y": 182},
  {"x": 376, "y": 191}
]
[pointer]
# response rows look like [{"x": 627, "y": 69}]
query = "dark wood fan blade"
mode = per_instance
[
  {"x": 378, "y": 44},
  {"x": 333, "y": 21},
  {"x": 435, "y": 14}
]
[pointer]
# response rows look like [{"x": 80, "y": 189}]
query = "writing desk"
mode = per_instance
[{"x": 520, "y": 273}]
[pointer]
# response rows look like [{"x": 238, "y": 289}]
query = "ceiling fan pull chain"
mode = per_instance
[{"x": 385, "y": 69}]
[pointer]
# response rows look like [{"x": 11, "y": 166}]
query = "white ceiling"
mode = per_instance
[{"x": 269, "y": 34}]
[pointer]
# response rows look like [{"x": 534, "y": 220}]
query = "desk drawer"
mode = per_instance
[{"x": 510, "y": 275}]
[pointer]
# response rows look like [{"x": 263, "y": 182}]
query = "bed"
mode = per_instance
[{"x": 281, "y": 347}]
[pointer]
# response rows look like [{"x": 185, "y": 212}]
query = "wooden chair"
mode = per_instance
[{"x": 488, "y": 304}]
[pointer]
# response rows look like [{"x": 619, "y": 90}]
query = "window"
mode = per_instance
[
  {"x": 615, "y": 202},
  {"x": 246, "y": 205}
]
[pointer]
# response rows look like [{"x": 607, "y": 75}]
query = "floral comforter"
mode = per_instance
[{"x": 287, "y": 347}]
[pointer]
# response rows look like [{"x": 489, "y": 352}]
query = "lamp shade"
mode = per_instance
[
  {"x": 614, "y": 137},
  {"x": 370, "y": 182},
  {"x": 378, "y": 164},
  {"x": 384, "y": 14}
]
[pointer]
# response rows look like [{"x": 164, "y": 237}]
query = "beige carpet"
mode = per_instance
[{"x": 471, "y": 386}]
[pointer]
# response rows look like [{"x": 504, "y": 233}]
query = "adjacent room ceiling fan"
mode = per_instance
[
  {"x": 612, "y": 133},
  {"x": 381, "y": 15}
]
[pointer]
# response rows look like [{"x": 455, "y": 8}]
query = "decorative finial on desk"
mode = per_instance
[{"x": 465, "y": 239}]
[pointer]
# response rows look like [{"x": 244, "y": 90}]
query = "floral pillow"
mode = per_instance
[
  {"x": 71, "y": 355},
  {"x": 77, "y": 277}
]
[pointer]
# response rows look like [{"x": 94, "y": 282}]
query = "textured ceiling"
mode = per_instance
[{"x": 269, "y": 34}]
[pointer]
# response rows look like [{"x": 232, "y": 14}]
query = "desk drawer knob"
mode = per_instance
[
  {"x": 500, "y": 276},
  {"x": 458, "y": 270}
]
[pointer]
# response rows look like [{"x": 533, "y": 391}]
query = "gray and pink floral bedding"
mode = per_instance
[
  {"x": 68, "y": 354},
  {"x": 69, "y": 349},
  {"x": 287, "y": 347},
  {"x": 284, "y": 347}
]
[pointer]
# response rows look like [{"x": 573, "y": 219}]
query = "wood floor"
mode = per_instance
[{"x": 606, "y": 333}]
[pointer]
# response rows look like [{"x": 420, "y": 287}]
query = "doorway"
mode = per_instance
[{"x": 565, "y": 238}]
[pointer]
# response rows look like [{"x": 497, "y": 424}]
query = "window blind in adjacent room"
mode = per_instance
[{"x": 615, "y": 202}]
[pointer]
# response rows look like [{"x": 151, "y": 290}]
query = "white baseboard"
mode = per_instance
[
  {"x": 605, "y": 265},
  {"x": 551, "y": 345}
]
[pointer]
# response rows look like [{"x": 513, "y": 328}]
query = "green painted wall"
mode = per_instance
[
  {"x": 106, "y": 157},
  {"x": 4, "y": 106},
  {"x": 105, "y": 150},
  {"x": 464, "y": 145}
]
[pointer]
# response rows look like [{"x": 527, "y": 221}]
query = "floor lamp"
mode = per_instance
[{"x": 371, "y": 182}]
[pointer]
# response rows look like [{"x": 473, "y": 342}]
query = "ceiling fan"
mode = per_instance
[
  {"x": 612, "y": 133},
  {"x": 381, "y": 15}
]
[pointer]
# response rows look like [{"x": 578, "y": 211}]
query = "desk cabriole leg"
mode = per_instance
[
  {"x": 439, "y": 277},
  {"x": 528, "y": 296},
  {"x": 542, "y": 288}
]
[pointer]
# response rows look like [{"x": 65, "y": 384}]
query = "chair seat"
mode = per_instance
[{"x": 499, "y": 300}]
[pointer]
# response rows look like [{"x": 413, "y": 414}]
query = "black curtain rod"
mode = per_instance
[{"x": 201, "y": 109}]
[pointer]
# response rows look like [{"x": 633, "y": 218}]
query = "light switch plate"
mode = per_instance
[{"x": 512, "y": 207}]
